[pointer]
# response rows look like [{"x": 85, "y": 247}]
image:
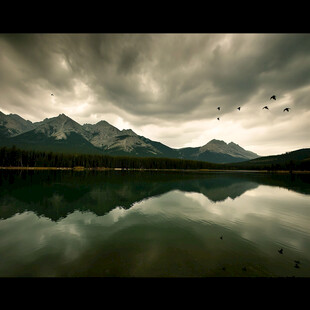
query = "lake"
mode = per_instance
[{"x": 154, "y": 224}]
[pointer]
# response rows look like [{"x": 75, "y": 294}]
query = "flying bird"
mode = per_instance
[
  {"x": 218, "y": 108},
  {"x": 218, "y": 118},
  {"x": 286, "y": 109},
  {"x": 52, "y": 94},
  {"x": 273, "y": 97},
  {"x": 297, "y": 262},
  {"x": 239, "y": 108},
  {"x": 265, "y": 107}
]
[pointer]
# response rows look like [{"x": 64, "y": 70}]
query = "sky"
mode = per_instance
[{"x": 166, "y": 86}]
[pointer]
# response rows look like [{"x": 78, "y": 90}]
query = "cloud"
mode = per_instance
[{"x": 171, "y": 80}]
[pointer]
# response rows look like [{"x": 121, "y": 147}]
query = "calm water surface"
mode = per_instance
[{"x": 153, "y": 224}]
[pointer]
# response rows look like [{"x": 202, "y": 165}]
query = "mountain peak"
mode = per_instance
[
  {"x": 214, "y": 145},
  {"x": 59, "y": 127},
  {"x": 103, "y": 133},
  {"x": 103, "y": 122},
  {"x": 215, "y": 141},
  {"x": 102, "y": 125},
  {"x": 232, "y": 149},
  {"x": 63, "y": 116},
  {"x": 233, "y": 144},
  {"x": 128, "y": 132}
]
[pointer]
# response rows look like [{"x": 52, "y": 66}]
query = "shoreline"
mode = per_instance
[{"x": 136, "y": 169}]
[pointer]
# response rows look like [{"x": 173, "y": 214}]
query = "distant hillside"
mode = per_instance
[{"x": 298, "y": 159}]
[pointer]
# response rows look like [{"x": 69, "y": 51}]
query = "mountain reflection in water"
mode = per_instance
[
  {"x": 125, "y": 223},
  {"x": 43, "y": 191}
]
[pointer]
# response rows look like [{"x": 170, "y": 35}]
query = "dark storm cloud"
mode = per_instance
[
  {"x": 149, "y": 78},
  {"x": 37, "y": 57},
  {"x": 162, "y": 74}
]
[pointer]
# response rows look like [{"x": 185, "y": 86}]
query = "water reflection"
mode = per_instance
[
  {"x": 153, "y": 224},
  {"x": 55, "y": 194}
]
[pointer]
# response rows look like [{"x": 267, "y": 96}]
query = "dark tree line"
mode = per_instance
[{"x": 14, "y": 157}]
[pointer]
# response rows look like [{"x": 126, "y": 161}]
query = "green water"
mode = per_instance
[{"x": 153, "y": 224}]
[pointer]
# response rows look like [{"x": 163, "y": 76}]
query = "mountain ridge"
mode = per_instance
[{"x": 63, "y": 133}]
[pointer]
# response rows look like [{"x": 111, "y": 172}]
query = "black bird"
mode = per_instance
[
  {"x": 218, "y": 108},
  {"x": 218, "y": 118},
  {"x": 286, "y": 109},
  {"x": 280, "y": 251},
  {"x": 52, "y": 94},
  {"x": 296, "y": 266},
  {"x": 239, "y": 108},
  {"x": 273, "y": 97},
  {"x": 265, "y": 107},
  {"x": 221, "y": 237},
  {"x": 297, "y": 261}
]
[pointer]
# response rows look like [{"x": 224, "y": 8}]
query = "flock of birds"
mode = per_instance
[
  {"x": 239, "y": 108},
  {"x": 274, "y": 97},
  {"x": 297, "y": 262}
]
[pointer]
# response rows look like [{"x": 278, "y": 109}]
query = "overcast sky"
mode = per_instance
[{"x": 166, "y": 87}]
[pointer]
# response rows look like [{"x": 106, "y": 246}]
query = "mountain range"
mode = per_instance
[{"x": 63, "y": 134}]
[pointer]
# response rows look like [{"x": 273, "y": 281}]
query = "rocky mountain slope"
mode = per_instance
[
  {"x": 12, "y": 125},
  {"x": 62, "y": 133}
]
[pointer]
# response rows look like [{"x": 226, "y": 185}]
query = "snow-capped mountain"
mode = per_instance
[{"x": 63, "y": 134}]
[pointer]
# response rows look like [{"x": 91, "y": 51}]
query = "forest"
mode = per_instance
[{"x": 15, "y": 157}]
